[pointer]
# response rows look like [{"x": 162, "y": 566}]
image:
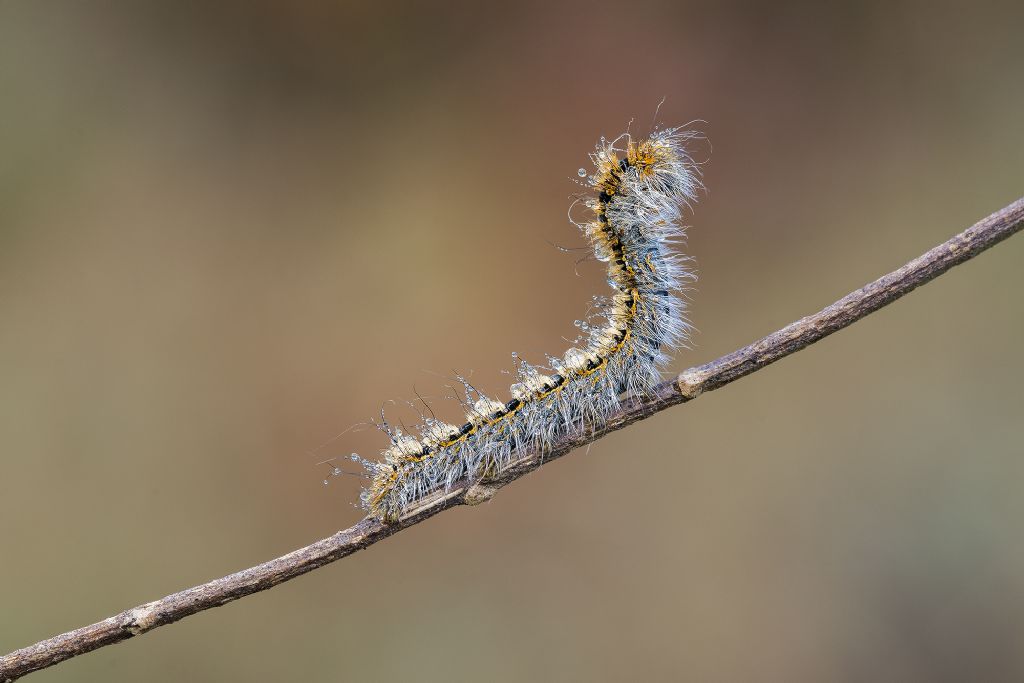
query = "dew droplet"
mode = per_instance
[
  {"x": 336, "y": 471},
  {"x": 354, "y": 457},
  {"x": 582, "y": 173},
  {"x": 326, "y": 482}
]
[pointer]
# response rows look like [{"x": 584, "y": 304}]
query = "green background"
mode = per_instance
[{"x": 229, "y": 231}]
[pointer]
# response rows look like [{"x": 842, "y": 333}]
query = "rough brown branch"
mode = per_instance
[{"x": 687, "y": 386}]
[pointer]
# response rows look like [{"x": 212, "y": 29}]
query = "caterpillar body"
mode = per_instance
[{"x": 638, "y": 190}]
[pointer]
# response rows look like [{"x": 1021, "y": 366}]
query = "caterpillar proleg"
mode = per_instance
[{"x": 639, "y": 188}]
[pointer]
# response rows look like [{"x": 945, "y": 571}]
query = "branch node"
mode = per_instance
[
  {"x": 142, "y": 618},
  {"x": 478, "y": 493},
  {"x": 690, "y": 384}
]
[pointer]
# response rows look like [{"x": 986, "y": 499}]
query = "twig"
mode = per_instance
[{"x": 687, "y": 386}]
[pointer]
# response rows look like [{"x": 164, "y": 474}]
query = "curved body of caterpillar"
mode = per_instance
[{"x": 635, "y": 214}]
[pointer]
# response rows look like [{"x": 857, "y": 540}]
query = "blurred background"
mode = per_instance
[{"x": 230, "y": 231}]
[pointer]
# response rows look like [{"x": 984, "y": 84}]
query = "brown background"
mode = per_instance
[{"x": 230, "y": 231}]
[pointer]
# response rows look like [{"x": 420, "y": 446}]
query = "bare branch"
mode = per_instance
[{"x": 687, "y": 386}]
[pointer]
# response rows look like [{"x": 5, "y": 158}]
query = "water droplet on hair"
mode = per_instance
[
  {"x": 582, "y": 173},
  {"x": 326, "y": 482}
]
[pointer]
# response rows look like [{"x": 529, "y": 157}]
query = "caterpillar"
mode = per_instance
[{"x": 633, "y": 220}]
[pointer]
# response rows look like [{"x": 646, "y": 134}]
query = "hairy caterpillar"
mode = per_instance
[{"x": 635, "y": 218}]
